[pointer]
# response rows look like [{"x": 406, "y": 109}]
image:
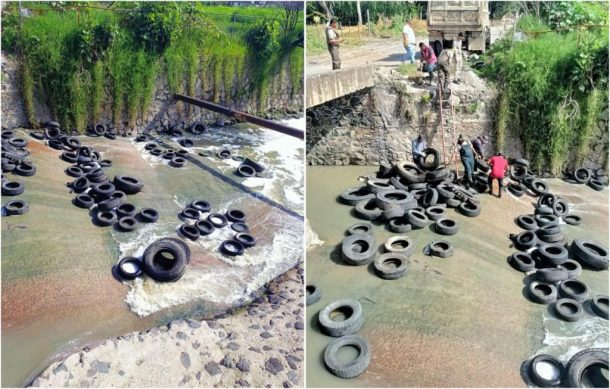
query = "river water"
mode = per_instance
[
  {"x": 456, "y": 322},
  {"x": 58, "y": 292}
]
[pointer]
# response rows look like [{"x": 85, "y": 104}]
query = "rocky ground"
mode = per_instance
[{"x": 260, "y": 346}]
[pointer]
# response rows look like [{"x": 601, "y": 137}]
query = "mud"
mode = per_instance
[{"x": 460, "y": 321}]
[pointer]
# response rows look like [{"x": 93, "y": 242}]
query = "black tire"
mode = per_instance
[
  {"x": 189, "y": 231},
  {"x": 186, "y": 142},
  {"x": 584, "y": 369},
  {"x": 245, "y": 239},
  {"x": 527, "y": 222},
  {"x": 190, "y": 213},
  {"x": 38, "y": 135},
  {"x": 516, "y": 189},
  {"x": 399, "y": 183},
  {"x": 129, "y": 268},
  {"x": 400, "y": 245},
  {"x": 547, "y": 200},
  {"x": 560, "y": 208},
  {"x": 354, "y": 318},
  {"x": 25, "y": 170},
  {"x": 394, "y": 198},
  {"x": 56, "y": 144},
  {"x": 156, "y": 152},
  {"x": 106, "y": 218},
  {"x": 400, "y": 225},
  {"x": 377, "y": 185},
  {"x": 360, "y": 228},
  {"x": 445, "y": 192},
  {"x": 72, "y": 142},
  {"x": 538, "y": 379},
  {"x": 150, "y": 146},
  {"x": 525, "y": 240},
  {"x": 573, "y": 268},
  {"x": 177, "y": 162},
  {"x": 453, "y": 203},
  {"x": 546, "y": 220},
  {"x": 518, "y": 171},
  {"x": 543, "y": 210},
  {"x": 368, "y": 209},
  {"x": 436, "y": 212},
  {"x": 548, "y": 230},
  {"x": 80, "y": 185},
  {"x": 522, "y": 262},
  {"x": 126, "y": 209},
  {"x": 74, "y": 171},
  {"x": 353, "y": 368},
  {"x": 424, "y": 163},
  {"x": 235, "y": 215},
  {"x": 416, "y": 218},
  {"x": 16, "y": 207},
  {"x": 599, "y": 305},
  {"x": 538, "y": 186},
  {"x": 52, "y": 133},
  {"x": 224, "y": 154},
  {"x": 446, "y": 226},
  {"x": 542, "y": 293},
  {"x": 127, "y": 184},
  {"x": 8, "y": 167},
  {"x": 358, "y": 249},
  {"x": 201, "y": 205},
  {"x": 595, "y": 185},
  {"x": 568, "y": 309},
  {"x": 127, "y": 223},
  {"x": 575, "y": 290},
  {"x": 168, "y": 155},
  {"x": 218, "y": 220},
  {"x": 205, "y": 227},
  {"x": 148, "y": 215},
  {"x": 420, "y": 185},
  {"x": 441, "y": 249},
  {"x": 573, "y": 220},
  {"x": 246, "y": 171},
  {"x": 197, "y": 128},
  {"x": 103, "y": 190},
  {"x": 238, "y": 227},
  {"x": 430, "y": 198},
  {"x": 165, "y": 260},
  {"x": 393, "y": 213},
  {"x": 590, "y": 253},
  {"x": 232, "y": 248},
  {"x": 552, "y": 274},
  {"x": 12, "y": 188},
  {"x": 353, "y": 196},
  {"x": 582, "y": 175},
  {"x": 391, "y": 266},
  {"x": 313, "y": 294},
  {"x": 521, "y": 161},
  {"x": 7, "y": 134},
  {"x": 410, "y": 172},
  {"x": 555, "y": 255},
  {"x": 437, "y": 175},
  {"x": 469, "y": 209},
  {"x": 84, "y": 201}
]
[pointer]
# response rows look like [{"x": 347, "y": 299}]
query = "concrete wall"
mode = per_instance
[
  {"x": 284, "y": 99},
  {"x": 334, "y": 84}
]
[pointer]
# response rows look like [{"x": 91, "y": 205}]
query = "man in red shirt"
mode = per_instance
[
  {"x": 499, "y": 167},
  {"x": 428, "y": 58}
]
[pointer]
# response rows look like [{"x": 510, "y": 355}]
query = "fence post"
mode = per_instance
[{"x": 368, "y": 22}]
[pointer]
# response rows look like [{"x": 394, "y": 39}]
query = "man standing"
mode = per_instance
[
  {"x": 417, "y": 147},
  {"x": 444, "y": 72},
  {"x": 467, "y": 158},
  {"x": 428, "y": 58},
  {"x": 332, "y": 41},
  {"x": 457, "y": 56},
  {"x": 499, "y": 167},
  {"x": 408, "y": 41},
  {"x": 478, "y": 143}
]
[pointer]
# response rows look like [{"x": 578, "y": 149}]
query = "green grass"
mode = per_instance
[{"x": 407, "y": 69}]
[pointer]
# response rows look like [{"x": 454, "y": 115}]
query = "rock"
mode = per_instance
[
  {"x": 101, "y": 367},
  {"x": 242, "y": 383},
  {"x": 60, "y": 367},
  {"x": 273, "y": 299},
  {"x": 255, "y": 349},
  {"x": 255, "y": 327},
  {"x": 198, "y": 376},
  {"x": 233, "y": 346},
  {"x": 227, "y": 362},
  {"x": 299, "y": 325},
  {"x": 193, "y": 323},
  {"x": 212, "y": 368},
  {"x": 196, "y": 345},
  {"x": 286, "y": 384},
  {"x": 181, "y": 335},
  {"x": 91, "y": 373},
  {"x": 266, "y": 335},
  {"x": 185, "y": 358},
  {"x": 212, "y": 324},
  {"x": 267, "y": 348},
  {"x": 243, "y": 365},
  {"x": 274, "y": 366},
  {"x": 121, "y": 373},
  {"x": 292, "y": 376},
  {"x": 291, "y": 363}
]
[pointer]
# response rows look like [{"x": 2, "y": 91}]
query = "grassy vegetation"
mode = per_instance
[
  {"x": 552, "y": 88},
  {"x": 77, "y": 61},
  {"x": 407, "y": 69}
]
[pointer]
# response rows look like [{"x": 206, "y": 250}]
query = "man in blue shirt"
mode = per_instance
[{"x": 417, "y": 147}]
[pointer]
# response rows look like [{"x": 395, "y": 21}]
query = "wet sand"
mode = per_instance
[{"x": 460, "y": 321}]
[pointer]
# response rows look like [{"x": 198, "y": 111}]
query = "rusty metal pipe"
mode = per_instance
[{"x": 284, "y": 129}]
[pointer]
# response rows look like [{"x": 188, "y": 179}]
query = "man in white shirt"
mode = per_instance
[
  {"x": 457, "y": 57},
  {"x": 408, "y": 41},
  {"x": 332, "y": 41}
]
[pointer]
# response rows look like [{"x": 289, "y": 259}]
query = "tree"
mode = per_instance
[
  {"x": 326, "y": 9},
  {"x": 359, "y": 13}
]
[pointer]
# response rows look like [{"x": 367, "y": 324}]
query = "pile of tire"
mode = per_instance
[
  {"x": 586, "y": 176},
  {"x": 556, "y": 265},
  {"x": 584, "y": 369},
  {"x": 164, "y": 260},
  {"x": 174, "y": 158},
  {"x": 102, "y": 130},
  {"x": 524, "y": 180},
  {"x": 342, "y": 319},
  {"x": 199, "y": 220},
  {"x": 15, "y": 161}
]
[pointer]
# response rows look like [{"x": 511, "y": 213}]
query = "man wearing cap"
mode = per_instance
[
  {"x": 477, "y": 145},
  {"x": 499, "y": 167},
  {"x": 332, "y": 41},
  {"x": 467, "y": 158}
]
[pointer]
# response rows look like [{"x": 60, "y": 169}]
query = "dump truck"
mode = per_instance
[{"x": 446, "y": 19}]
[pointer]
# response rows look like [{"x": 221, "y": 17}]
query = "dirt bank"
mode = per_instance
[{"x": 261, "y": 346}]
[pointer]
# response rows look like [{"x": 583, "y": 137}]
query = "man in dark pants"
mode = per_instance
[
  {"x": 417, "y": 147},
  {"x": 478, "y": 144},
  {"x": 332, "y": 41},
  {"x": 467, "y": 158},
  {"x": 499, "y": 167}
]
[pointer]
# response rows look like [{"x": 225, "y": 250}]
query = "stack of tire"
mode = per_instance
[
  {"x": 102, "y": 130},
  {"x": 557, "y": 266},
  {"x": 15, "y": 160},
  {"x": 345, "y": 333},
  {"x": 175, "y": 158},
  {"x": 524, "y": 180},
  {"x": 199, "y": 220},
  {"x": 585, "y": 176}
]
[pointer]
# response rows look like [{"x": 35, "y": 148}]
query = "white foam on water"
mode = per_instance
[
  {"x": 563, "y": 339},
  {"x": 148, "y": 157}
]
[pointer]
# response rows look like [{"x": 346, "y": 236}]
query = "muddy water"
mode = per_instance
[
  {"x": 460, "y": 321},
  {"x": 58, "y": 292}
]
